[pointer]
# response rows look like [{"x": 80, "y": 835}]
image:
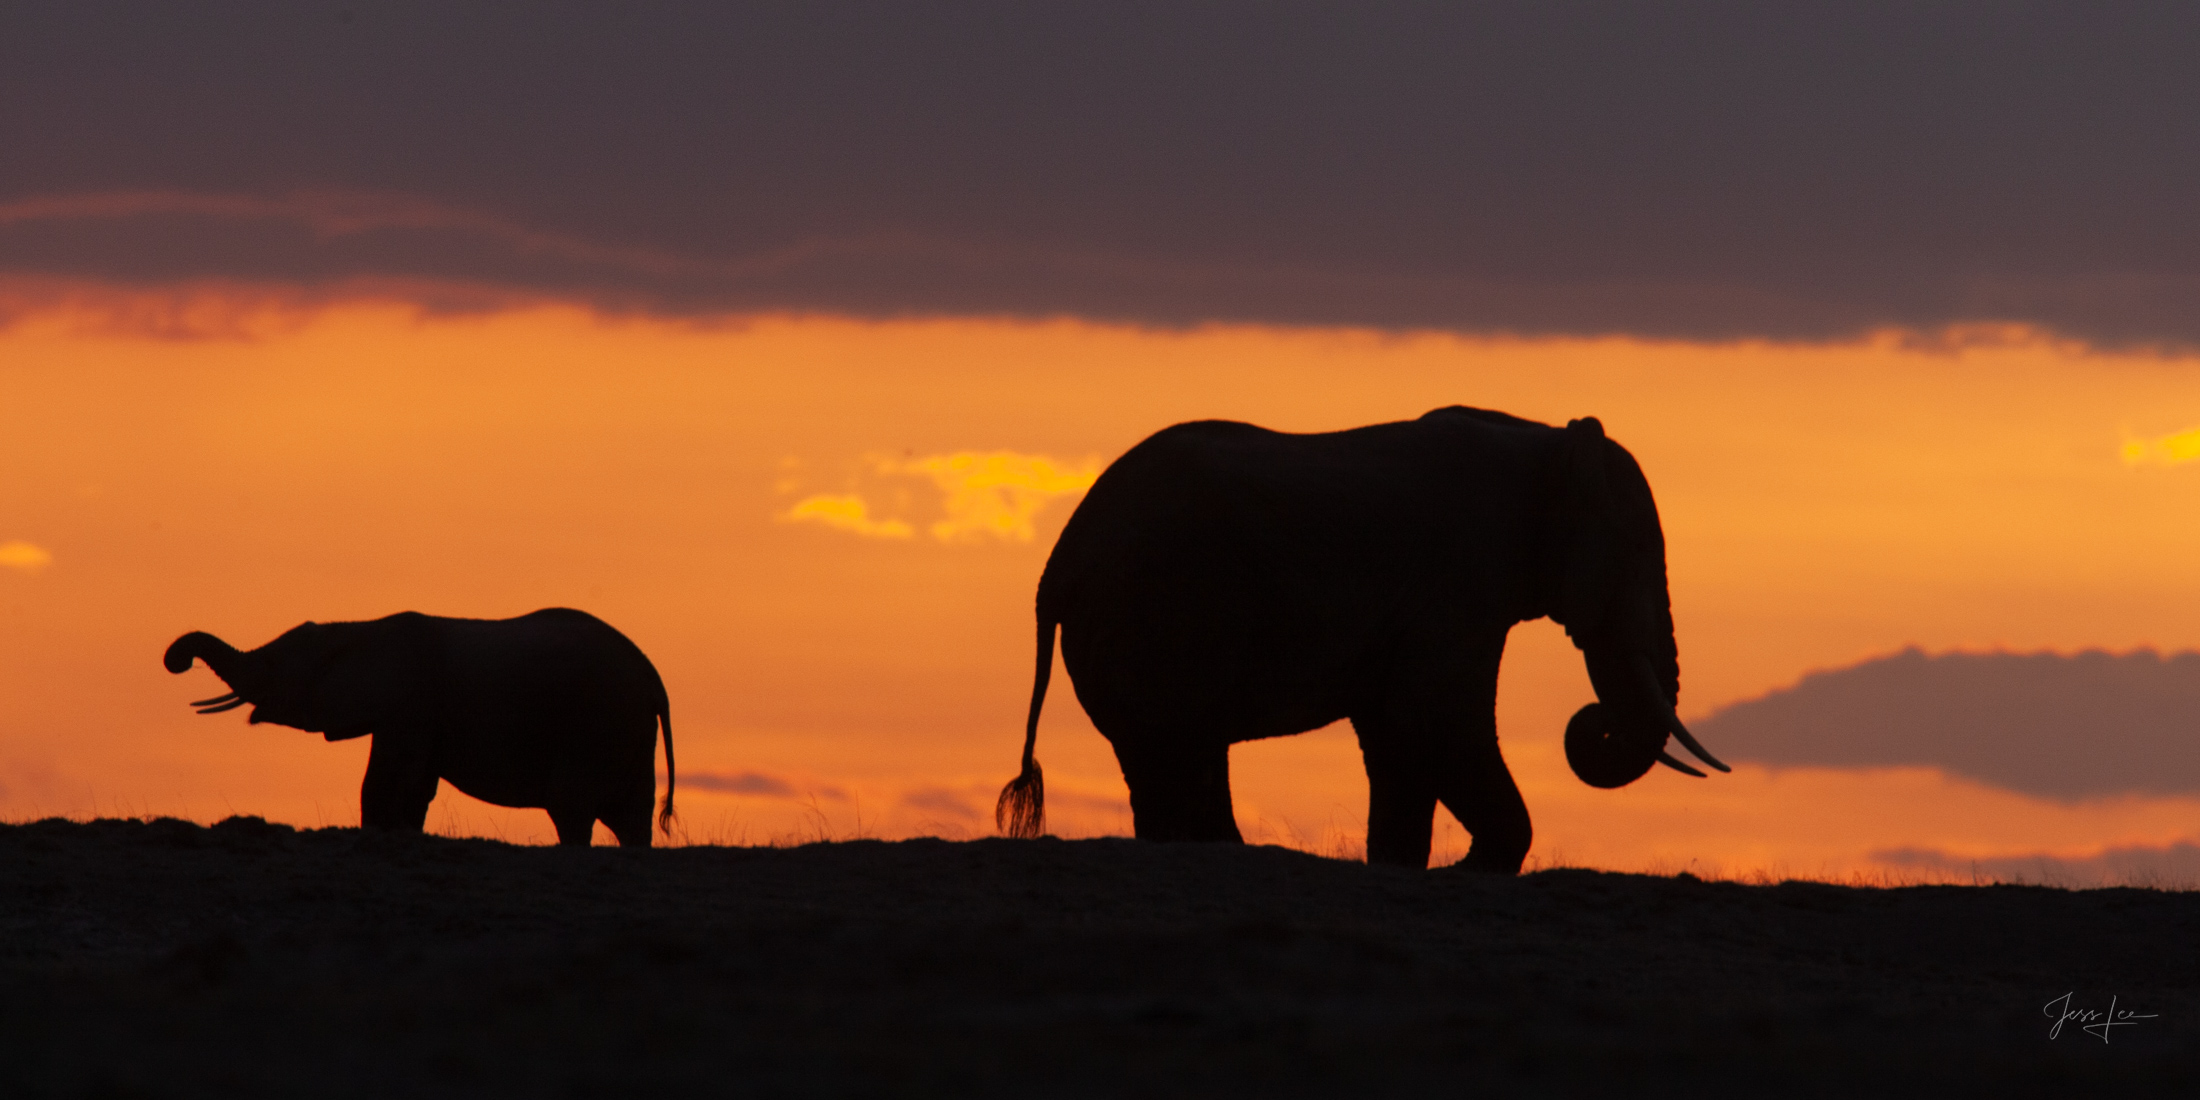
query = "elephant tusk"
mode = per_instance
[
  {"x": 230, "y": 705},
  {"x": 1673, "y": 723},
  {"x": 1667, "y": 759},
  {"x": 217, "y": 699}
]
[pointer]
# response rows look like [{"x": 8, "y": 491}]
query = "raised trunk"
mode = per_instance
[
  {"x": 232, "y": 666},
  {"x": 199, "y": 645}
]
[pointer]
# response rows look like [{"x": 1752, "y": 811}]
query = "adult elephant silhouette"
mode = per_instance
[
  {"x": 554, "y": 710},
  {"x": 1223, "y": 583}
]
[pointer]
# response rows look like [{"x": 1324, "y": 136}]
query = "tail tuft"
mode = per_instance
[{"x": 1022, "y": 810}]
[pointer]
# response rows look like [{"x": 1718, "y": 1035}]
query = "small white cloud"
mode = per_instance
[{"x": 21, "y": 555}]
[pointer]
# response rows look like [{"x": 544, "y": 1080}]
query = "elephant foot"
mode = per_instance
[
  {"x": 1181, "y": 792},
  {"x": 1490, "y": 860},
  {"x": 1179, "y": 831},
  {"x": 1399, "y": 819},
  {"x": 1407, "y": 856},
  {"x": 576, "y": 828},
  {"x": 630, "y": 827},
  {"x": 1183, "y": 838}
]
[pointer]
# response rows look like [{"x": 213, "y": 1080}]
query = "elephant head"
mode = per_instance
[
  {"x": 1612, "y": 599},
  {"x": 328, "y": 678}
]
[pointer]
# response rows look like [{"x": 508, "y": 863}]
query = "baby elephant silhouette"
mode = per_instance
[{"x": 554, "y": 710}]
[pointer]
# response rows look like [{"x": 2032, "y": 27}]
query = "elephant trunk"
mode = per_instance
[
  {"x": 1616, "y": 740},
  {"x": 220, "y": 656}
]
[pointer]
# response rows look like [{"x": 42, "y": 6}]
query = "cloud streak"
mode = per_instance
[
  {"x": 1697, "y": 168},
  {"x": 758, "y": 784},
  {"x": 845, "y": 512},
  {"x": 2173, "y": 866}
]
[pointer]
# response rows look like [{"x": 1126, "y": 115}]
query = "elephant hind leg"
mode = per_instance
[
  {"x": 1180, "y": 792},
  {"x": 576, "y": 828}
]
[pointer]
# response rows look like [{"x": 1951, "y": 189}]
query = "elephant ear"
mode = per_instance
[
  {"x": 370, "y": 679},
  {"x": 1590, "y": 529}
]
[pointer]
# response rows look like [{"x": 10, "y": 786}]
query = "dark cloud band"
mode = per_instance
[
  {"x": 2083, "y": 726},
  {"x": 1704, "y": 170}
]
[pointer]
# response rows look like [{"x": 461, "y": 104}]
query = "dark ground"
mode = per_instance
[{"x": 165, "y": 959}]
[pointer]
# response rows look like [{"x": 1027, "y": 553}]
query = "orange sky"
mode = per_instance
[{"x": 1821, "y": 504}]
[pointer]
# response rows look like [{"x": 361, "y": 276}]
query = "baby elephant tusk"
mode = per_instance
[
  {"x": 230, "y": 705},
  {"x": 1667, "y": 759}
]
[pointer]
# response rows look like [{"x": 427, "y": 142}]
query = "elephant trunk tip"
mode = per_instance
[
  {"x": 193, "y": 646},
  {"x": 1604, "y": 753},
  {"x": 1022, "y": 811}
]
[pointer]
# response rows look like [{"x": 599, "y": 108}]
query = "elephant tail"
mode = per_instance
[
  {"x": 664, "y": 815},
  {"x": 1022, "y": 810}
]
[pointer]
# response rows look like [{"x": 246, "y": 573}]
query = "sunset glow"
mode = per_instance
[
  {"x": 401, "y": 397},
  {"x": 703, "y": 487}
]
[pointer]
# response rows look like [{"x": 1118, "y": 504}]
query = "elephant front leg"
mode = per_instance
[
  {"x": 576, "y": 828},
  {"x": 399, "y": 785},
  {"x": 1479, "y": 790},
  {"x": 1401, "y": 815},
  {"x": 1432, "y": 737}
]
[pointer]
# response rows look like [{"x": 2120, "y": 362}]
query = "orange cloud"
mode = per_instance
[
  {"x": 18, "y": 554},
  {"x": 846, "y": 512},
  {"x": 996, "y": 493},
  {"x": 2168, "y": 450},
  {"x": 992, "y": 493}
]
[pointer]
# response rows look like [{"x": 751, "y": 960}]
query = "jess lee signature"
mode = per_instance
[{"x": 2091, "y": 1020}]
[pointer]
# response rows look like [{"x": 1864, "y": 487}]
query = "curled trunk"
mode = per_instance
[
  {"x": 1616, "y": 740},
  {"x": 1622, "y": 735},
  {"x": 1601, "y": 754}
]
